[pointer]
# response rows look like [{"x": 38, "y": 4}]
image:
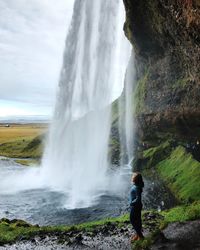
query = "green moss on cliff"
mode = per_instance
[
  {"x": 115, "y": 111},
  {"x": 140, "y": 93},
  {"x": 182, "y": 213},
  {"x": 154, "y": 155},
  {"x": 127, "y": 28},
  {"x": 181, "y": 173},
  {"x": 180, "y": 83},
  {"x": 179, "y": 170},
  {"x": 156, "y": 19}
]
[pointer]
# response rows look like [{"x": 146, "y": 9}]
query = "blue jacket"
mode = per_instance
[{"x": 135, "y": 195}]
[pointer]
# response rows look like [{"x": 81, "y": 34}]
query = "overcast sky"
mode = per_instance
[{"x": 32, "y": 36}]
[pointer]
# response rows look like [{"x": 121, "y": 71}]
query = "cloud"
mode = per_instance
[{"x": 32, "y": 36}]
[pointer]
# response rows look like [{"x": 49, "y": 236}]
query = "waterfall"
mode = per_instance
[
  {"x": 92, "y": 76},
  {"x": 126, "y": 111}
]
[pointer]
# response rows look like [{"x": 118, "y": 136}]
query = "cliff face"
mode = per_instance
[{"x": 166, "y": 39}]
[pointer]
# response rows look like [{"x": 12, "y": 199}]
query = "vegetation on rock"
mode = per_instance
[
  {"x": 140, "y": 93},
  {"x": 165, "y": 37},
  {"x": 154, "y": 155},
  {"x": 181, "y": 173},
  {"x": 179, "y": 170}
]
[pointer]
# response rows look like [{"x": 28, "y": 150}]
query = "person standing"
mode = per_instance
[{"x": 136, "y": 205}]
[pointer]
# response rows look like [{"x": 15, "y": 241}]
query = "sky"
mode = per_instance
[{"x": 32, "y": 37}]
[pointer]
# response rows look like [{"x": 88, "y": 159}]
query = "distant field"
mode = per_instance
[
  {"x": 22, "y": 140},
  {"x": 20, "y": 131}
]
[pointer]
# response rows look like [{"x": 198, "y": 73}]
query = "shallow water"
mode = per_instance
[{"x": 47, "y": 207}]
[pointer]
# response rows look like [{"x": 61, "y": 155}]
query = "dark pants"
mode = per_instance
[{"x": 136, "y": 220}]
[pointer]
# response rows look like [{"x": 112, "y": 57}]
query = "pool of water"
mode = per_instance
[{"x": 46, "y": 207}]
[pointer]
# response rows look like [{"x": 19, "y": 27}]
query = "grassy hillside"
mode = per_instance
[
  {"x": 25, "y": 148},
  {"x": 177, "y": 167},
  {"x": 182, "y": 174},
  {"x": 22, "y": 141}
]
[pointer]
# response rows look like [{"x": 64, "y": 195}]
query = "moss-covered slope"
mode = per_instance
[
  {"x": 182, "y": 174},
  {"x": 178, "y": 168}
]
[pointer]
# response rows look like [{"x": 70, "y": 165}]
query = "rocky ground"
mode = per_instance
[
  {"x": 106, "y": 237},
  {"x": 176, "y": 236},
  {"x": 179, "y": 236}
]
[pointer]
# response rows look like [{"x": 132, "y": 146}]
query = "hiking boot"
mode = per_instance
[{"x": 134, "y": 237}]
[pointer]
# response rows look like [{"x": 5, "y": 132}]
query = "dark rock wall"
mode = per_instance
[{"x": 166, "y": 39}]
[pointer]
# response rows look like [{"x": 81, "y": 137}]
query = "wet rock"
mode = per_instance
[
  {"x": 70, "y": 234},
  {"x": 185, "y": 231},
  {"x": 122, "y": 230},
  {"x": 22, "y": 238},
  {"x": 152, "y": 216},
  {"x": 33, "y": 241},
  {"x": 2, "y": 243},
  {"x": 42, "y": 237},
  {"x": 5, "y": 220},
  {"x": 20, "y": 223},
  {"x": 78, "y": 239},
  {"x": 179, "y": 236},
  {"x": 166, "y": 39}
]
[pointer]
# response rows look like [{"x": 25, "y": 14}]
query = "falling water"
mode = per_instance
[
  {"x": 75, "y": 162},
  {"x": 92, "y": 76},
  {"x": 126, "y": 110}
]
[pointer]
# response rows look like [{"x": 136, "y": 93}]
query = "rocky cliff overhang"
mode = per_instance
[{"x": 165, "y": 35}]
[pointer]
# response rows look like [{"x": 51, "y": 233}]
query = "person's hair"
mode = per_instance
[{"x": 138, "y": 180}]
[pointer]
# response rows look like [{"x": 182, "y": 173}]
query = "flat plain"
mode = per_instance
[{"x": 13, "y": 132}]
